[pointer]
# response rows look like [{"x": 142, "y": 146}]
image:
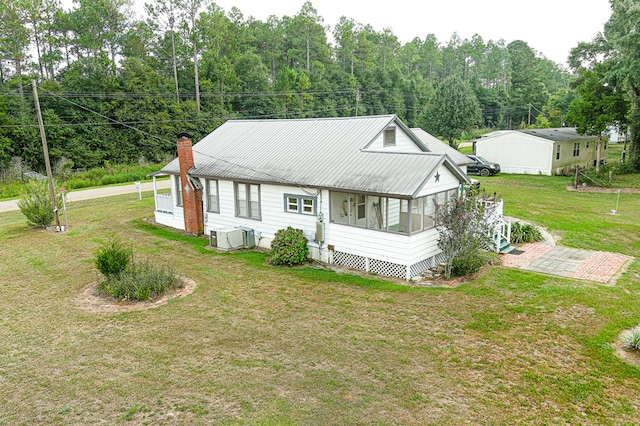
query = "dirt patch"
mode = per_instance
[
  {"x": 90, "y": 301},
  {"x": 629, "y": 356},
  {"x": 603, "y": 189}
]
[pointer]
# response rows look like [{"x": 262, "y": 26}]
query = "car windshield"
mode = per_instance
[{"x": 481, "y": 159}]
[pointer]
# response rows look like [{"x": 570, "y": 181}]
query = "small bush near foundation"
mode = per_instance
[
  {"x": 289, "y": 247},
  {"x": 113, "y": 257},
  {"x": 140, "y": 281},
  {"x": 471, "y": 264},
  {"x": 631, "y": 338},
  {"x": 524, "y": 233}
]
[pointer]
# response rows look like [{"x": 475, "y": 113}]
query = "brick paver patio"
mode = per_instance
[{"x": 599, "y": 266}]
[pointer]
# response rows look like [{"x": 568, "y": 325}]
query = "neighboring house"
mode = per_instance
[
  {"x": 363, "y": 190},
  {"x": 539, "y": 151}
]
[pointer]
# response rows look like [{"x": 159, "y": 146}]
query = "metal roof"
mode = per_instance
[
  {"x": 318, "y": 152},
  {"x": 557, "y": 134},
  {"x": 437, "y": 146}
]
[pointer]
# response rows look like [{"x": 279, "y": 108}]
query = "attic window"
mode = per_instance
[{"x": 389, "y": 138}]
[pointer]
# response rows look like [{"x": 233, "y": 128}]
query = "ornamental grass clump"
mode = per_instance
[
  {"x": 289, "y": 247},
  {"x": 126, "y": 279},
  {"x": 140, "y": 281},
  {"x": 631, "y": 338}
]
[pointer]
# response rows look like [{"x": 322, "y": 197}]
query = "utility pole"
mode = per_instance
[
  {"x": 529, "y": 114},
  {"x": 46, "y": 155}
]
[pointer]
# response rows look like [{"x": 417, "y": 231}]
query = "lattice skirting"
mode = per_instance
[{"x": 382, "y": 267}]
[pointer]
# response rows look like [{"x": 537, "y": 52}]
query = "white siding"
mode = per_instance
[
  {"x": 273, "y": 214},
  {"x": 175, "y": 220},
  {"x": 403, "y": 143},
  {"x": 447, "y": 180},
  {"x": 387, "y": 246},
  {"x": 518, "y": 153}
]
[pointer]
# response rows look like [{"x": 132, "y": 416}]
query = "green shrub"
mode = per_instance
[
  {"x": 631, "y": 165},
  {"x": 289, "y": 247},
  {"x": 524, "y": 233},
  {"x": 468, "y": 265},
  {"x": 140, "y": 281},
  {"x": 35, "y": 203},
  {"x": 631, "y": 338},
  {"x": 113, "y": 257}
]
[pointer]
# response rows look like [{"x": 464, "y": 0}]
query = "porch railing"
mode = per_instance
[{"x": 164, "y": 203}]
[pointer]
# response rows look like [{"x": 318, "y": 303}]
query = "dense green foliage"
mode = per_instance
[
  {"x": 35, "y": 203},
  {"x": 109, "y": 174},
  {"x": 524, "y": 233},
  {"x": 609, "y": 77},
  {"x": 289, "y": 247},
  {"x": 471, "y": 263},
  {"x": 140, "y": 281},
  {"x": 116, "y": 89},
  {"x": 113, "y": 257}
]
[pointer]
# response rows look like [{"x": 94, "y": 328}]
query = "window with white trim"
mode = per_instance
[
  {"x": 213, "y": 202},
  {"x": 247, "y": 200},
  {"x": 558, "y": 152},
  {"x": 302, "y": 204},
  {"x": 576, "y": 149}
]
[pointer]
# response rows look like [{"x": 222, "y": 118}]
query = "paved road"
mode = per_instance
[{"x": 105, "y": 191}]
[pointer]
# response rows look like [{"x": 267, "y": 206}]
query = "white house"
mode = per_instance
[
  {"x": 363, "y": 190},
  {"x": 539, "y": 151}
]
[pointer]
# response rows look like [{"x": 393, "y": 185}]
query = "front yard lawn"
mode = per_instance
[{"x": 263, "y": 345}]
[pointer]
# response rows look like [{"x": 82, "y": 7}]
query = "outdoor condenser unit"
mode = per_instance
[
  {"x": 230, "y": 239},
  {"x": 248, "y": 237}
]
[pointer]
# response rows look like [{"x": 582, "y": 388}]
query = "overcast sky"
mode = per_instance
[{"x": 551, "y": 27}]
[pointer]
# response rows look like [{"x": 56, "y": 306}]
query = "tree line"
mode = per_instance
[{"x": 116, "y": 88}]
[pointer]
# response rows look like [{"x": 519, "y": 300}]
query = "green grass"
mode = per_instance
[
  {"x": 256, "y": 344},
  {"x": 581, "y": 219}
]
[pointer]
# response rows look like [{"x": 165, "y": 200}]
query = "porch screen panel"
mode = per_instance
[
  {"x": 339, "y": 207},
  {"x": 417, "y": 208},
  {"x": 376, "y": 212}
]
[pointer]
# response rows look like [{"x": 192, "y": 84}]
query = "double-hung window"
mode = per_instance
[
  {"x": 301, "y": 204},
  {"x": 558, "y": 152},
  {"x": 213, "y": 202},
  {"x": 576, "y": 149},
  {"x": 247, "y": 200}
]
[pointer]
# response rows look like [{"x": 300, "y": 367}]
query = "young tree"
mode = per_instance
[
  {"x": 621, "y": 33},
  {"x": 453, "y": 109},
  {"x": 598, "y": 106},
  {"x": 465, "y": 226}
]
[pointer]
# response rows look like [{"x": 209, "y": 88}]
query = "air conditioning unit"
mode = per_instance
[
  {"x": 248, "y": 237},
  {"x": 230, "y": 239}
]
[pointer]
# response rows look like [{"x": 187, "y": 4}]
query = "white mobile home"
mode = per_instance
[
  {"x": 538, "y": 151},
  {"x": 363, "y": 190}
]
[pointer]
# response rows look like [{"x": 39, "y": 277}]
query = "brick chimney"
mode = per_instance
[{"x": 191, "y": 198}]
